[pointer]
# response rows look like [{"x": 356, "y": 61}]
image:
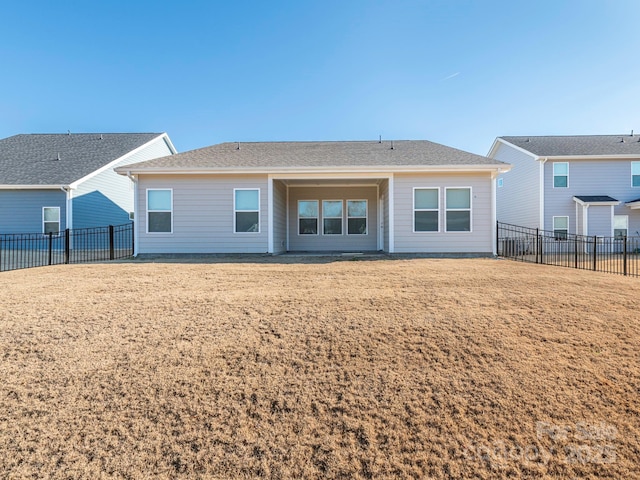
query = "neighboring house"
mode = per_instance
[
  {"x": 403, "y": 196},
  {"x": 49, "y": 182},
  {"x": 587, "y": 185}
]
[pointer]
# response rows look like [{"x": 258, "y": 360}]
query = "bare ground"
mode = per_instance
[{"x": 321, "y": 369}]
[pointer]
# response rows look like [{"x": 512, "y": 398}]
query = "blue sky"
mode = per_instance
[{"x": 452, "y": 71}]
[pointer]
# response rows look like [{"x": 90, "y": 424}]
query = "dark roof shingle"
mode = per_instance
[
  {"x": 273, "y": 155},
  {"x": 61, "y": 159},
  {"x": 595, "y": 198},
  {"x": 576, "y": 145}
]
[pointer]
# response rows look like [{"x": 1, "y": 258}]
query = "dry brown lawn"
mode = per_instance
[{"x": 415, "y": 368}]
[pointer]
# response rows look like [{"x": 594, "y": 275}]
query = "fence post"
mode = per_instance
[
  {"x": 497, "y": 238},
  {"x": 575, "y": 250},
  {"x": 624, "y": 255},
  {"x": 133, "y": 237},
  {"x": 111, "y": 255},
  {"x": 537, "y": 244},
  {"x": 50, "y": 235},
  {"x": 595, "y": 253},
  {"x": 0, "y": 253},
  {"x": 66, "y": 246}
]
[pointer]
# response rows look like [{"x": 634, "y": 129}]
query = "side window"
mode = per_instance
[
  {"x": 356, "y": 217},
  {"x": 426, "y": 209},
  {"x": 458, "y": 209},
  {"x": 159, "y": 211},
  {"x": 246, "y": 210},
  {"x": 307, "y": 217},
  {"x": 560, "y": 174},
  {"x": 635, "y": 174},
  {"x": 51, "y": 219},
  {"x": 560, "y": 228}
]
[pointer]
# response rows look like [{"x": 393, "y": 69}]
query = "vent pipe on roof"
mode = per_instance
[
  {"x": 379, "y": 138},
  {"x": 238, "y": 146},
  {"x": 621, "y": 140},
  {"x": 58, "y": 156},
  {"x": 391, "y": 144},
  {"x": 100, "y": 136},
  {"x": 69, "y": 132},
  {"x": 632, "y": 133},
  {"x": 527, "y": 140}
]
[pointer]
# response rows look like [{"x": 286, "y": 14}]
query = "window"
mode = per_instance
[
  {"x": 51, "y": 219},
  {"x": 246, "y": 210},
  {"x": 560, "y": 175},
  {"x": 620, "y": 225},
  {"x": 356, "y": 217},
  {"x": 426, "y": 209},
  {"x": 307, "y": 217},
  {"x": 332, "y": 217},
  {"x": 132, "y": 216},
  {"x": 560, "y": 228},
  {"x": 500, "y": 182},
  {"x": 160, "y": 211},
  {"x": 635, "y": 174},
  {"x": 458, "y": 209}
]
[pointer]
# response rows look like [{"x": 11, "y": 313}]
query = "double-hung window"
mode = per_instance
[
  {"x": 426, "y": 209},
  {"x": 51, "y": 219},
  {"x": 356, "y": 217},
  {"x": 458, "y": 209},
  {"x": 160, "y": 210},
  {"x": 560, "y": 228},
  {"x": 560, "y": 174},
  {"x": 307, "y": 217},
  {"x": 620, "y": 225},
  {"x": 332, "y": 217},
  {"x": 635, "y": 174},
  {"x": 246, "y": 210}
]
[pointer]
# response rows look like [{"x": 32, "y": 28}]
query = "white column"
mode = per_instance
[
  {"x": 270, "y": 214},
  {"x": 390, "y": 227}
]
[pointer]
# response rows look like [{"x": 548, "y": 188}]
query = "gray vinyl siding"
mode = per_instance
[
  {"x": 107, "y": 198},
  {"x": 518, "y": 200},
  {"x": 202, "y": 215},
  {"x": 599, "y": 221},
  {"x": 344, "y": 242},
  {"x": 591, "y": 177},
  {"x": 479, "y": 240},
  {"x": 279, "y": 217},
  {"x": 21, "y": 210},
  {"x": 384, "y": 194}
]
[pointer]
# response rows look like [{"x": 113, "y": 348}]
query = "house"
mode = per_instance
[
  {"x": 276, "y": 197},
  {"x": 49, "y": 182},
  {"x": 587, "y": 185}
]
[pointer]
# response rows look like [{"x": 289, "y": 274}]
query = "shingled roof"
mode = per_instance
[
  {"x": 61, "y": 159},
  {"x": 578, "y": 145},
  {"x": 263, "y": 156}
]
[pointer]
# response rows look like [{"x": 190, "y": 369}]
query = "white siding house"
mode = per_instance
[
  {"x": 276, "y": 197},
  {"x": 584, "y": 182}
]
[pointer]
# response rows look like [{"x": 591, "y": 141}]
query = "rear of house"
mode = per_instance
[
  {"x": 277, "y": 197},
  {"x": 50, "y": 182},
  {"x": 587, "y": 185}
]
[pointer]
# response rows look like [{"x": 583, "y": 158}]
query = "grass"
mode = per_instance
[{"x": 319, "y": 369}]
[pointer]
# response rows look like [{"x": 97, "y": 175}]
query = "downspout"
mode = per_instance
[
  {"x": 68, "y": 218},
  {"x": 135, "y": 213}
]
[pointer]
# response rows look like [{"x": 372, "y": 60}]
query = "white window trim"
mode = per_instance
[
  {"x": 59, "y": 219},
  {"x": 553, "y": 174},
  {"x": 366, "y": 217},
  {"x": 317, "y": 218},
  {"x": 236, "y": 211},
  {"x": 632, "y": 174},
  {"x": 613, "y": 224},
  {"x": 147, "y": 210},
  {"x": 553, "y": 225},
  {"x": 426, "y": 209},
  {"x": 323, "y": 217},
  {"x": 470, "y": 209}
]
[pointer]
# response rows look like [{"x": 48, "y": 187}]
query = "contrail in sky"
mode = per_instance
[{"x": 451, "y": 76}]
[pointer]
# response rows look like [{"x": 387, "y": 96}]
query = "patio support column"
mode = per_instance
[
  {"x": 270, "y": 214},
  {"x": 391, "y": 221}
]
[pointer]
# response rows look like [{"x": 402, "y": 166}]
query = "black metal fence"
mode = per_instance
[
  {"x": 26, "y": 250},
  {"x": 619, "y": 255}
]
